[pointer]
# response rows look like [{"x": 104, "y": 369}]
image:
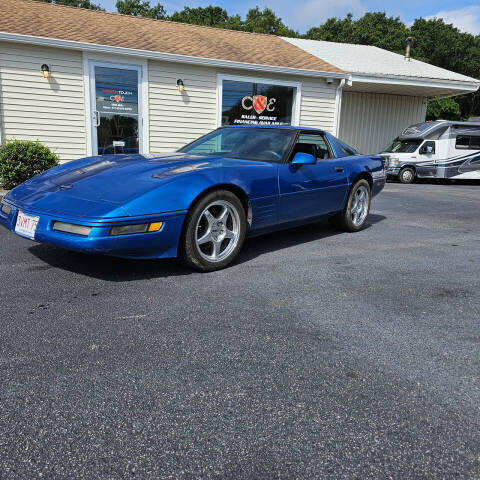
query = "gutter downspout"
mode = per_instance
[{"x": 338, "y": 106}]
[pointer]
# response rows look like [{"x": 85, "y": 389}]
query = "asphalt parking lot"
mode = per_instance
[{"x": 317, "y": 355}]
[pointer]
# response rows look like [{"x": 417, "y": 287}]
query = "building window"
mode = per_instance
[{"x": 257, "y": 103}]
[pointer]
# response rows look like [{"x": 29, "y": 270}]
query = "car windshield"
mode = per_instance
[
  {"x": 403, "y": 146},
  {"x": 264, "y": 144}
]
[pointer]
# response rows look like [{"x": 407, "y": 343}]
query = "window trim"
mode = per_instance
[
  {"x": 248, "y": 79},
  {"x": 89, "y": 59}
]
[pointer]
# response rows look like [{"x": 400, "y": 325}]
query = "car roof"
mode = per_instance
[
  {"x": 283, "y": 127},
  {"x": 427, "y": 130}
]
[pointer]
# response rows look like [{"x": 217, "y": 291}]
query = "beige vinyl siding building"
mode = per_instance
[
  {"x": 123, "y": 84},
  {"x": 32, "y": 109},
  {"x": 112, "y": 87},
  {"x": 318, "y": 105},
  {"x": 178, "y": 119},
  {"x": 383, "y": 116},
  {"x": 54, "y": 112}
]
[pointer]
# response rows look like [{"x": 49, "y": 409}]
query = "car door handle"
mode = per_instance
[{"x": 339, "y": 169}]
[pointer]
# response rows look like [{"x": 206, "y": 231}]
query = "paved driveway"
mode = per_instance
[{"x": 318, "y": 355}]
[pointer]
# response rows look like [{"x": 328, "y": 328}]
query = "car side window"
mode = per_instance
[
  {"x": 475, "y": 143},
  {"x": 467, "y": 142},
  {"x": 315, "y": 142},
  {"x": 348, "y": 151},
  {"x": 427, "y": 147}
]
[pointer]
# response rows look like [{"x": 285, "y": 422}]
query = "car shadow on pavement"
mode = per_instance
[
  {"x": 113, "y": 269},
  {"x": 110, "y": 269},
  {"x": 291, "y": 237}
]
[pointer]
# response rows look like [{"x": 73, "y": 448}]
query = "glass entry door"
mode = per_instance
[{"x": 116, "y": 124}]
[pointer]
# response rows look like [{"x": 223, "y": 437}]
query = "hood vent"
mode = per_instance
[{"x": 408, "y": 48}]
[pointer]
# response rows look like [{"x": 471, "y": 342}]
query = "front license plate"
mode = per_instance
[{"x": 26, "y": 225}]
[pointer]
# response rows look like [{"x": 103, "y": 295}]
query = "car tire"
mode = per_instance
[
  {"x": 355, "y": 213},
  {"x": 406, "y": 175},
  {"x": 214, "y": 231}
]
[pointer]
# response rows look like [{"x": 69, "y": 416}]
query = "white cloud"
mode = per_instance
[{"x": 466, "y": 19}]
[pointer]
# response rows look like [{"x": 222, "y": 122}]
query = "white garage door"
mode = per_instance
[{"x": 370, "y": 121}]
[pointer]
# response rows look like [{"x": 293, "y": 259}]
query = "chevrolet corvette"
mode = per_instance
[{"x": 201, "y": 202}]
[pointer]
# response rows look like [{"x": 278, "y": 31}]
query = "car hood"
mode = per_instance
[{"x": 102, "y": 185}]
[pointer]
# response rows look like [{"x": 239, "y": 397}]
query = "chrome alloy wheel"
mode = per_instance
[
  {"x": 407, "y": 176},
  {"x": 217, "y": 231},
  {"x": 360, "y": 204}
]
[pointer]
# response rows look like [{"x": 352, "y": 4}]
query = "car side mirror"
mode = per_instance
[{"x": 301, "y": 158}]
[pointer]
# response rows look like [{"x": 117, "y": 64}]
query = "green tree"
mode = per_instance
[
  {"x": 234, "y": 22},
  {"x": 333, "y": 30},
  {"x": 469, "y": 105},
  {"x": 374, "y": 29},
  {"x": 445, "y": 46},
  {"x": 137, "y": 8},
  {"x": 443, "y": 109},
  {"x": 266, "y": 21},
  {"x": 209, "y": 16},
  {"x": 434, "y": 42},
  {"x": 75, "y": 3}
]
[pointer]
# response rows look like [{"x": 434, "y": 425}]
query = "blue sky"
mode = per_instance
[{"x": 302, "y": 14}]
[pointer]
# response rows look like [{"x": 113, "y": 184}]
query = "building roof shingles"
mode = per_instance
[{"x": 29, "y": 17}]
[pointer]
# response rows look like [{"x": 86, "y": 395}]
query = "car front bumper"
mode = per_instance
[
  {"x": 160, "y": 244},
  {"x": 392, "y": 171}
]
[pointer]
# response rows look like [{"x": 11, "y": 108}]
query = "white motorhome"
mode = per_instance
[{"x": 440, "y": 149}]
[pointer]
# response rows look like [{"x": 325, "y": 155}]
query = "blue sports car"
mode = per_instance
[{"x": 200, "y": 202}]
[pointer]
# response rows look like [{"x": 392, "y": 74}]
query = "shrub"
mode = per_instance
[{"x": 21, "y": 160}]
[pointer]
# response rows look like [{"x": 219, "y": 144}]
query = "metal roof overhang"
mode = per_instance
[{"x": 417, "y": 87}]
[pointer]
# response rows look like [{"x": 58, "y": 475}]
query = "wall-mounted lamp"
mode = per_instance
[
  {"x": 180, "y": 85},
  {"x": 45, "y": 70}
]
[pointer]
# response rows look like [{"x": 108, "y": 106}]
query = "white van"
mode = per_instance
[{"x": 440, "y": 149}]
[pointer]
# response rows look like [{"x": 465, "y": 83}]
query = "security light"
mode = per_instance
[{"x": 45, "y": 70}]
